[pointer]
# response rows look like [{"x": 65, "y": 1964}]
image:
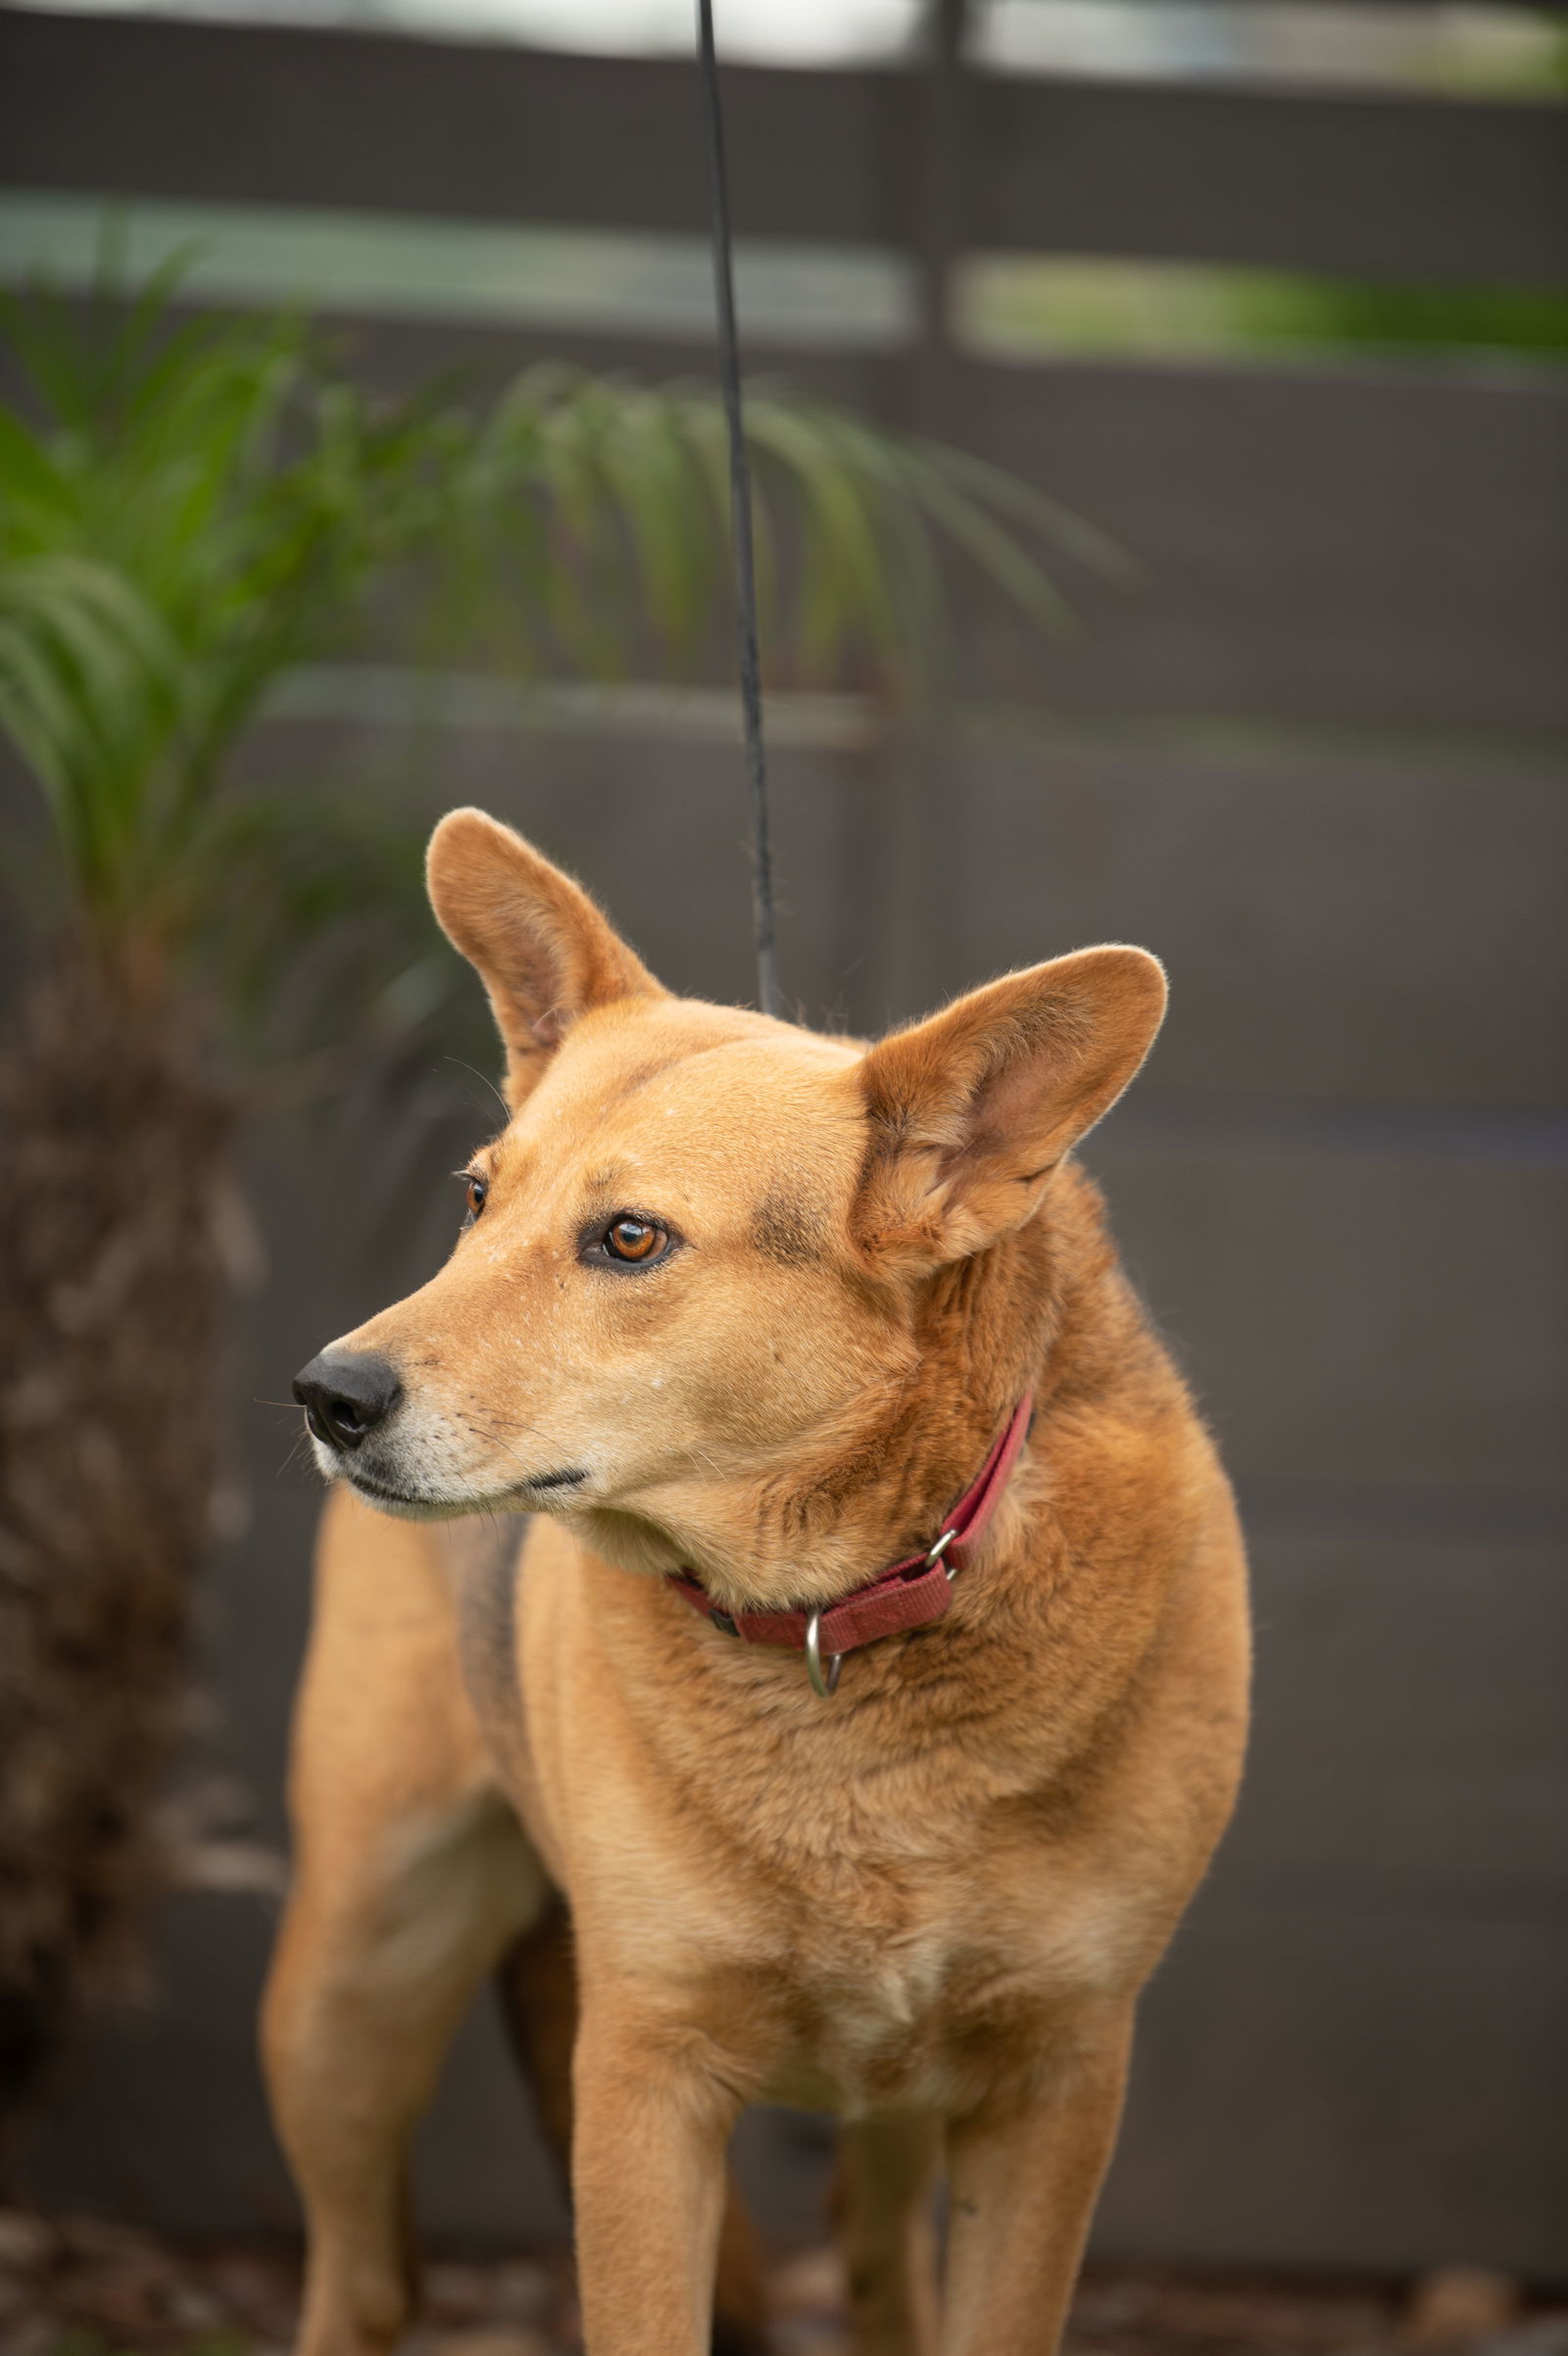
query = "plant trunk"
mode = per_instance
[{"x": 110, "y": 1297}]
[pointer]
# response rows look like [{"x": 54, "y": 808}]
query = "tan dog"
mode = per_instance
[{"x": 753, "y": 1304}]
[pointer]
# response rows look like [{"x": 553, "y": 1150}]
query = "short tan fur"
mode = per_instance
[{"x": 928, "y": 1903}]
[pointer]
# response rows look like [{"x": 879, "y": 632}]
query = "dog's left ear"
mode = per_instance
[
  {"x": 543, "y": 950},
  {"x": 972, "y": 1110}
]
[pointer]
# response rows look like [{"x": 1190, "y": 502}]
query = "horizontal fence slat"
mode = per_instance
[
  {"x": 283, "y": 115},
  {"x": 1385, "y": 185},
  {"x": 1336, "y": 928},
  {"x": 1417, "y": 187},
  {"x": 1360, "y": 545},
  {"x": 1362, "y": 1320},
  {"x": 1439, "y": 1667},
  {"x": 1352, "y": 547},
  {"x": 681, "y": 895},
  {"x": 1340, "y": 932},
  {"x": 1351, "y": 550}
]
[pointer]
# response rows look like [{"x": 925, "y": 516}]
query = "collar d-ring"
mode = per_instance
[
  {"x": 907, "y": 1595},
  {"x": 819, "y": 1683}
]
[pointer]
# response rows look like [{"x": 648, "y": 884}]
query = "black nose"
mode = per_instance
[{"x": 346, "y": 1394}]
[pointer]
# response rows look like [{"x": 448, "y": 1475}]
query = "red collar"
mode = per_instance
[{"x": 911, "y": 1594}]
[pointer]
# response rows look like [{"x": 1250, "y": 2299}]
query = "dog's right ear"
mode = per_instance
[{"x": 542, "y": 949}]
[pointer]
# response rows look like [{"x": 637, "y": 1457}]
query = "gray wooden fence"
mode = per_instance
[{"x": 1316, "y": 762}]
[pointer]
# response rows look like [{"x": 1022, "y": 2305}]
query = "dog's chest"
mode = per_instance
[
  {"x": 915, "y": 1916},
  {"x": 882, "y": 2033},
  {"x": 903, "y": 1978},
  {"x": 889, "y": 2022}
]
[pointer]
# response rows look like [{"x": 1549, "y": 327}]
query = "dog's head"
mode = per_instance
[{"x": 702, "y": 1252}]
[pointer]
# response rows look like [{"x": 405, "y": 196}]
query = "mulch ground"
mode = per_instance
[{"x": 81, "y": 2287}]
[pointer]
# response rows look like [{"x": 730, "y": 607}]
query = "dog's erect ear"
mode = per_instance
[
  {"x": 543, "y": 950},
  {"x": 972, "y": 1110}
]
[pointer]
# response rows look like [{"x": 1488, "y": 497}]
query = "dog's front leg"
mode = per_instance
[
  {"x": 1023, "y": 2173},
  {"x": 652, "y": 2119},
  {"x": 882, "y": 2211},
  {"x": 412, "y": 1878}
]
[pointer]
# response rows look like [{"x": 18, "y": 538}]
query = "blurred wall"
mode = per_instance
[{"x": 1316, "y": 762}]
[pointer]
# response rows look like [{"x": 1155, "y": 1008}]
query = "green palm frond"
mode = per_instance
[
  {"x": 191, "y": 508},
  {"x": 87, "y": 673}
]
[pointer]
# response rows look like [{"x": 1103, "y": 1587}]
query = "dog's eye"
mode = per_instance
[
  {"x": 474, "y": 1193},
  {"x": 631, "y": 1239}
]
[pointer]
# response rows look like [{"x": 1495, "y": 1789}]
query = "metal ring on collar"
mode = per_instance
[
  {"x": 820, "y": 1683},
  {"x": 937, "y": 1552}
]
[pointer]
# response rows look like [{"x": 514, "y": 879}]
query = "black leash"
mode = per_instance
[{"x": 740, "y": 486}]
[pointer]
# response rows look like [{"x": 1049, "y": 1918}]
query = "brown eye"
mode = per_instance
[
  {"x": 632, "y": 1239},
  {"x": 475, "y": 1192}
]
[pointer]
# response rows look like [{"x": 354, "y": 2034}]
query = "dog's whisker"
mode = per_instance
[
  {"x": 494, "y": 1429},
  {"x": 494, "y": 1434}
]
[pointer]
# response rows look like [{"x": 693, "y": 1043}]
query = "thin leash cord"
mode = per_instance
[{"x": 769, "y": 994}]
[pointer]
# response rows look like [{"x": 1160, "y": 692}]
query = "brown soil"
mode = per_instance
[{"x": 84, "y": 2289}]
